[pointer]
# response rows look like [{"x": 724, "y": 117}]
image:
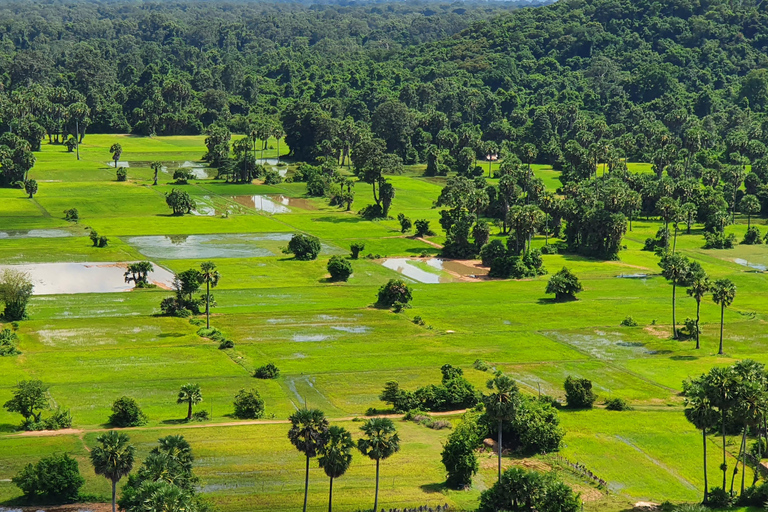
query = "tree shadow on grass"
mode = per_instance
[
  {"x": 8, "y": 428},
  {"x": 172, "y": 335},
  {"x": 434, "y": 488},
  {"x": 339, "y": 220},
  {"x": 182, "y": 421},
  {"x": 552, "y": 300},
  {"x": 684, "y": 358}
]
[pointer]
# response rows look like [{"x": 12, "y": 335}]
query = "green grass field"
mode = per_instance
[{"x": 334, "y": 350}]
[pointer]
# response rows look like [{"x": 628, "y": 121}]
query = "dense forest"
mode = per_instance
[{"x": 579, "y": 84}]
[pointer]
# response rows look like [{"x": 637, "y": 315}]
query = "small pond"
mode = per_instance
[
  {"x": 66, "y": 278},
  {"x": 34, "y": 233},
  {"x": 745, "y": 263},
  {"x": 437, "y": 270},
  {"x": 274, "y": 203},
  {"x": 173, "y": 247},
  {"x": 410, "y": 270}
]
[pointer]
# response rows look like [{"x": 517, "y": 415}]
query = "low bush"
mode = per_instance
[
  {"x": 578, "y": 393},
  {"x": 127, "y": 413},
  {"x": 268, "y": 371},
  {"x": 394, "y": 292},
  {"x": 418, "y": 320},
  {"x": 8, "y": 341},
  {"x": 122, "y": 174},
  {"x": 719, "y": 498},
  {"x": 182, "y": 176},
  {"x": 248, "y": 405},
  {"x": 54, "y": 479},
  {"x": 355, "y": 249},
  {"x": 303, "y": 247},
  {"x": 200, "y": 416},
  {"x": 226, "y": 343},
  {"x": 71, "y": 215},
  {"x": 422, "y": 228},
  {"x": 719, "y": 240},
  {"x": 752, "y": 237},
  {"x": 481, "y": 365},
  {"x": 629, "y": 322},
  {"x": 272, "y": 177},
  {"x": 339, "y": 268},
  {"x": 617, "y": 404},
  {"x": 453, "y": 393}
]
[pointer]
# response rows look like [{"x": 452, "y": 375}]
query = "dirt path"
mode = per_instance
[{"x": 81, "y": 432}]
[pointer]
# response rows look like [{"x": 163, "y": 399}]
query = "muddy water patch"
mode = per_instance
[
  {"x": 273, "y": 203},
  {"x": 351, "y": 329},
  {"x": 255, "y": 245},
  {"x": 745, "y": 263},
  {"x": 407, "y": 268},
  {"x": 12, "y": 234},
  {"x": 600, "y": 345},
  {"x": 456, "y": 267},
  {"x": 69, "y": 278},
  {"x": 309, "y": 338}
]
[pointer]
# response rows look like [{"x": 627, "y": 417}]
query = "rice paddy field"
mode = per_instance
[{"x": 335, "y": 351}]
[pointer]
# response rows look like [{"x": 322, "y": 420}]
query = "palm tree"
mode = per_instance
[
  {"x": 210, "y": 276},
  {"x": 113, "y": 458},
  {"x": 380, "y": 442},
  {"x": 675, "y": 269},
  {"x": 699, "y": 411},
  {"x": 117, "y": 150},
  {"x": 336, "y": 456},
  {"x": 720, "y": 388},
  {"x": 501, "y": 404},
  {"x": 699, "y": 287},
  {"x": 723, "y": 293},
  {"x": 308, "y": 433},
  {"x": 156, "y": 166},
  {"x": 190, "y": 394}
]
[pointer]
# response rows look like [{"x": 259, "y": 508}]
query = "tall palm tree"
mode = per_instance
[
  {"x": 336, "y": 456},
  {"x": 698, "y": 288},
  {"x": 699, "y": 411},
  {"x": 210, "y": 276},
  {"x": 675, "y": 268},
  {"x": 156, "y": 167},
  {"x": 720, "y": 387},
  {"x": 117, "y": 151},
  {"x": 501, "y": 404},
  {"x": 723, "y": 293},
  {"x": 113, "y": 459},
  {"x": 380, "y": 442},
  {"x": 190, "y": 394},
  {"x": 308, "y": 433}
]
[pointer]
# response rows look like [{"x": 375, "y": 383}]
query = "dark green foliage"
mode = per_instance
[
  {"x": 578, "y": 393},
  {"x": 661, "y": 241},
  {"x": 405, "y": 223},
  {"x": 339, "y": 268},
  {"x": 180, "y": 202},
  {"x": 617, "y": 404},
  {"x": 272, "y": 177},
  {"x": 453, "y": 393},
  {"x": 248, "y": 405},
  {"x": 534, "y": 428},
  {"x": 303, "y": 247},
  {"x": 182, "y": 176},
  {"x": 565, "y": 285},
  {"x": 492, "y": 251},
  {"x": 71, "y": 215},
  {"x": 53, "y": 479},
  {"x": 508, "y": 266},
  {"x": 268, "y": 371},
  {"x": 30, "y": 187},
  {"x": 521, "y": 491},
  {"x": 717, "y": 240},
  {"x": 355, "y": 249},
  {"x": 752, "y": 236},
  {"x": 8, "y": 342},
  {"x": 458, "y": 455},
  {"x": 122, "y": 174},
  {"x": 127, "y": 413},
  {"x": 719, "y": 498},
  {"x": 15, "y": 291},
  {"x": 394, "y": 292},
  {"x": 138, "y": 273},
  {"x": 422, "y": 228},
  {"x": 30, "y": 399},
  {"x": 629, "y": 322}
]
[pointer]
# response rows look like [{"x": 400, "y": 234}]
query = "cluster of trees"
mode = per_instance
[
  {"x": 185, "y": 285},
  {"x": 16, "y": 289},
  {"x": 454, "y": 392},
  {"x": 30, "y": 399},
  {"x": 731, "y": 400}
]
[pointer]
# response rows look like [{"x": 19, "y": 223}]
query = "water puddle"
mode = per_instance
[
  {"x": 68, "y": 278},
  {"x": 351, "y": 330},
  {"x": 745, "y": 263},
  {"x": 197, "y": 169},
  {"x": 435, "y": 273},
  {"x": 633, "y": 276},
  {"x": 274, "y": 203},
  {"x": 306, "y": 338},
  {"x": 120, "y": 164},
  {"x": 256, "y": 245},
  {"x": 34, "y": 233},
  {"x": 601, "y": 345},
  {"x": 266, "y": 161},
  {"x": 456, "y": 267}
]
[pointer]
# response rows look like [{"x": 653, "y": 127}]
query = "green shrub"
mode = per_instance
[
  {"x": 355, "y": 249},
  {"x": 629, "y": 322},
  {"x": 127, "y": 413},
  {"x": 395, "y": 291},
  {"x": 8, "y": 340},
  {"x": 719, "y": 240},
  {"x": 303, "y": 247},
  {"x": 54, "y": 479},
  {"x": 248, "y": 405},
  {"x": 272, "y": 177},
  {"x": 71, "y": 215},
  {"x": 226, "y": 343},
  {"x": 481, "y": 365},
  {"x": 422, "y": 228},
  {"x": 492, "y": 251},
  {"x": 405, "y": 223},
  {"x": 339, "y": 268},
  {"x": 617, "y": 404},
  {"x": 268, "y": 371},
  {"x": 418, "y": 320},
  {"x": 458, "y": 455},
  {"x": 578, "y": 393},
  {"x": 719, "y": 498},
  {"x": 565, "y": 285},
  {"x": 200, "y": 416},
  {"x": 752, "y": 237},
  {"x": 182, "y": 176},
  {"x": 543, "y": 492},
  {"x": 122, "y": 174}
]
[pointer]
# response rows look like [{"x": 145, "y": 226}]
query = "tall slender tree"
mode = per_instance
[
  {"x": 210, "y": 276},
  {"x": 117, "y": 151},
  {"x": 699, "y": 411},
  {"x": 113, "y": 458},
  {"x": 720, "y": 388},
  {"x": 723, "y": 293},
  {"x": 190, "y": 394},
  {"x": 380, "y": 442},
  {"x": 335, "y": 456},
  {"x": 501, "y": 405},
  {"x": 308, "y": 433},
  {"x": 676, "y": 269},
  {"x": 156, "y": 167},
  {"x": 698, "y": 288}
]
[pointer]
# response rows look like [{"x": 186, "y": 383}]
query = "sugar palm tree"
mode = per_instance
[
  {"x": 190, "y": 394},
  {"x": 336, "y": 456},
  {"x": 113, "y": 458},
  {"x": 720, "y": 388},
  {"x": 675, "y": 268},
  {"x": 698, "y": 288},
  {"x": 501, "y": 404},
  {"x": 210, "y": 276},
  {"x": 380, "y": 442},
  {"x": 156, "y": 166},
  {"x": 699, "y": 411},
  {"x": 723, "y": 293},
  {"x": 117, "y": 151},
  {"x": 308, "y": 433}
]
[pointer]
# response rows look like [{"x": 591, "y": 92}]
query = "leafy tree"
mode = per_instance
[
  {"x": 339, "y": 268},
  {"x": 520, "y": 490},
  {"x": 15, "y": 291},
  {"x": 750, "y": 205},
  {"x": 138, "y": 273},
  {"x": 210, "y": 276},
  {"x": 698, "y": 289},
  {"x": 458, "y": 455},
  {"x": 355, "y": 249},
  {"x": 30, "y": 399},
  {"x": 677, "y": 270},
  {"x": 117, "y": 151},
  {"x": 268, "y": 371},
  {"x": 405, "y": 223},
  {"x": 54, "y": 479},
  {"x": 248, "y": 405},
  {"x": 723, "y": 294},
  {"x": 303, "y": 247},
  {"x": 720, "y": 389},
  {"x": 578, "y": 393},
  {"x": 156, "y": 167},
  {"x": 500, "y": 405},
  {"x": 394, "y": 292},
  {"x": 190, "y": 394},
  {"x": 127, "y": 413},
  {"x": 308, "y": 433},
  {"x": 422, "y": 228},
  {"x": 113, "y": 458},
  {"x": 30, "y": 187},
  {"x": 565, "y": 285},
  {"x": 335, "y": 456},
  {"x": 380, "y": 442},
  {"x": 180, "y": 202}
]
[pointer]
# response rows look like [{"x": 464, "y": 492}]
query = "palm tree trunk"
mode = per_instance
[
  {"x": 189, "y": 411},
  {"x": 207, "y": 304},
  {"x": 330, "y": 497},
  {"x": 674, "y": 243},
  {"x": 736, "y": 467},
  {"x": 706, "y": 484},
  {"x": 743, "y": 459},
  {"x": 114, "y": 496},
  {"x": 674, "y": 318},
  {"x": 725, "y": 461},
  {"x": 722, "y": 314},
  {"x": 376, "y": 498},
  {"x": 698, "y": 317},
  {"x": 306, "y": 485},
  {"x": 278, "y": 151},
  {"x": 498, "y": 449}
]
